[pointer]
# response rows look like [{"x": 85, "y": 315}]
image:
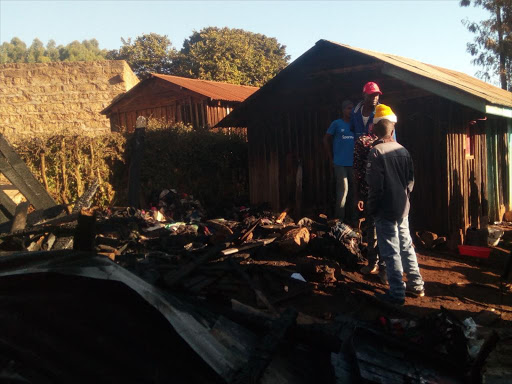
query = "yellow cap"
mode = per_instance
[{"x": 383, "y": 112}]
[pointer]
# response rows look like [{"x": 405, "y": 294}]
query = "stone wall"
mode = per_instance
[{"x": 60, "y": 97}]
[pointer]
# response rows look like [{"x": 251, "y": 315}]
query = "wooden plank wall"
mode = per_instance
[
  {"x": 277, "y": 144},
  {"x": 217, "y": 110},
  {"x": 498, "y": 167},
  {"x": 421, "y": 128},
  {"x": 200, "y": 113},
  {"x": 451, "y": 187},
  {"x": 450, "y": 190},
  {"x": 467, "y": 176}
]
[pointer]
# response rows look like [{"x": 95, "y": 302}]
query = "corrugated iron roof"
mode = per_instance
[
  {"x": 444, "y": 82},
  {"x": 213, "y": 89},
  {"x": 466, "y": 83}
]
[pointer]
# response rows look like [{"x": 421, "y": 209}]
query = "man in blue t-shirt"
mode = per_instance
[{"x": 339, "y": 145}]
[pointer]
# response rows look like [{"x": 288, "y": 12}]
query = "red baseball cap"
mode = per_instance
[{"x": 371, "y": 87}]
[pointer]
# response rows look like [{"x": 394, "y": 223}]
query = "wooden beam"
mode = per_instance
[
  {"x": 7, "y": 203},
  {"x": 20, "y": 217},
  {"x": 37, "y": 217},
  {"x": 3, "y": 218},
  {"x": 255, "y": 244},
  {"x": 19, "y": 175},
  {"x": 173, "y": 278},
  {"x": 436, "y": 87},
  {"x": 248, "y": 232},
  {"x": 498, "y": 111},
  {"x": 85, "y": 200}
]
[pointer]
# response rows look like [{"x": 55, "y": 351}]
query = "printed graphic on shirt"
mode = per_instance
[{"x": 343, "y": 143}]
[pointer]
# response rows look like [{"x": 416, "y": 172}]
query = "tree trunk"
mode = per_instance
[{"x": 501, "y": 48}]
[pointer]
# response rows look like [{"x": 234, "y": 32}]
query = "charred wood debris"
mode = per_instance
[
  {"x": 169, "y": 294},
  {"x": 236, "y": 276}
]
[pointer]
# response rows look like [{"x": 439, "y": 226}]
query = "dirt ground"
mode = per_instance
[{"x": 466, "y": 286}]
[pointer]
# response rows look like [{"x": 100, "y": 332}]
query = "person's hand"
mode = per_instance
[{"x": 360, "y": 205}]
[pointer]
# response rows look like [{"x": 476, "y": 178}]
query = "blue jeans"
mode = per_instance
[
  {"x": 345, "y": 206},
  {"x": 395, "y": 247}
]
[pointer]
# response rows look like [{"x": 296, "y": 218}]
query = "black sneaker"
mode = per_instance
[
  {"x": 387, "y": 298},
  {"x": 415, "y": 292}
]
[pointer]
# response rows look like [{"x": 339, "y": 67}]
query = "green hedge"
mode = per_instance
[
  {"x": 211, "y": 166},
  {"x": 72, "y": 162}
]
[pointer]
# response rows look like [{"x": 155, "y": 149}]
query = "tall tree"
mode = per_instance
[
  {"x": 87, "y": 50},
  {"x": 52, "y": 51},
  {"x": 231, "y": 55},
  {"x": 492, "y": 45},
  {"x": 36, "y": 53},
  {"x": 17, "y": 52},
  {"x": 147, "y": 53},
  {"x": 13, "y": 52}
]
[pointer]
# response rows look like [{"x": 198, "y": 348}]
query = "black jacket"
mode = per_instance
[{"x": 390, "y": 178}]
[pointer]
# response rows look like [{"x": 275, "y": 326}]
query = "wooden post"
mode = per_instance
[
  {"x": 20, "y": 217},
  {"x": 136, "y": 163},
  {"x": 85, "y": 231}
]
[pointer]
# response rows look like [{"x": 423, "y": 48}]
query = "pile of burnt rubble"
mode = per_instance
[{"x": 223, "y": 284}]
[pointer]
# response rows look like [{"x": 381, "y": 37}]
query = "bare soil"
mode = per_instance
[{"x": 466, "y": 286}]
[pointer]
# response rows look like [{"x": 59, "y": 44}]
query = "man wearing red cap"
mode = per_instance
[
  {"x": 361, "y": 119},
  {"x": 361, "y": 124}
]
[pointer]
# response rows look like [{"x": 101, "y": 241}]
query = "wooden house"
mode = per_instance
[
  {"x": 173, "y": 99},
  {"x": 458, "y": 130}
]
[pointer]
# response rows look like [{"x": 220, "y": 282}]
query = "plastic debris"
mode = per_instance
[
  {"x": 471, "y": 333},
  {"x": 298, "y": 276}
]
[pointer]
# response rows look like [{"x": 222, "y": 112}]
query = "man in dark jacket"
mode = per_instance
[{"x": 390, "y": 178}]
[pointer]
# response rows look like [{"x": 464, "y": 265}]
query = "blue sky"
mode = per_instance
[{"x": 429, "y": 31}]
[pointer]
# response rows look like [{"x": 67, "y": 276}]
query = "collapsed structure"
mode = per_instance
[
  {"x": 169, "y": 294},
  {"x": 126, "y": 294}
]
